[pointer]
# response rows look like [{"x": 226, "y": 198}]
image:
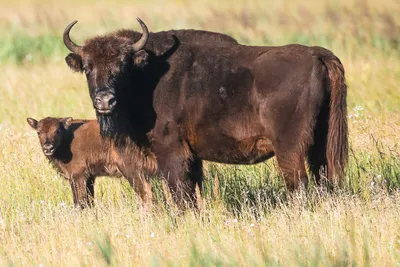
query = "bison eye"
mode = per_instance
[{"x": 86, "y": 70}]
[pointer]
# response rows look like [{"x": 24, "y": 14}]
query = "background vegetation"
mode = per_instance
[{"x": 247, "y": 217}]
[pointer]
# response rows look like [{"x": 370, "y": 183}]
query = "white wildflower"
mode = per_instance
[
  {"x": 357, "y": 112},
  {"x": 358, "y": 108}
]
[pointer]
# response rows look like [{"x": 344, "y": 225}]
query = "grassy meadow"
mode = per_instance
[{"x": 247, "y": 217}]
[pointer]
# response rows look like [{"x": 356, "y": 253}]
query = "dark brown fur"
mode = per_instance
[
  {"x": 80, "y": 154},
  {"x": 225, "y": 103}
]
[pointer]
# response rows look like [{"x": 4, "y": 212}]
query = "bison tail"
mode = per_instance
[{"x": 337, "y": 141}]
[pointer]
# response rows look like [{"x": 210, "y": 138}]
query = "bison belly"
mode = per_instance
[{"x": 230, "y": 150}]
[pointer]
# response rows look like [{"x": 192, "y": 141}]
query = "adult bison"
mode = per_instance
[{"x": 232, "y": 104}]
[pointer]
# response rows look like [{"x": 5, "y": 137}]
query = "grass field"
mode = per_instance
[{"x": 247, "y": 218}]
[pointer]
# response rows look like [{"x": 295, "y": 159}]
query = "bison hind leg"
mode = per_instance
[
  {"x": 293, "y": 169},
  {"x": 317, "y": 152},
  {"x": 291, "y": 153}
]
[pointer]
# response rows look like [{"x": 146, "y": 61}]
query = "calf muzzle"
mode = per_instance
[{"x": 48, "y": 149}]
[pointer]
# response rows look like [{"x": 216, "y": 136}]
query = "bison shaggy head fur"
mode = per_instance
[{"x": 103, "y": 59}]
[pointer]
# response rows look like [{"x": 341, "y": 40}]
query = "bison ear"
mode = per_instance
[
  {"x": 140, "y": 59},
  {"x": 74, "y": 61},
  {"x": 32, "y": 122},
  {"x": 66, "y": 122}
]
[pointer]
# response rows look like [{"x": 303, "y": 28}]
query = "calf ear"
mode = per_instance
[
  {"x": 74, "y": 61},
  {"x": 66, "y": 122},
  {"x": 32, "y": 122},
  {"x": 140, "y": 59}
]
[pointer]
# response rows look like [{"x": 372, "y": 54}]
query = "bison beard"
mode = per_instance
[
  {"x": 108, "y": 124},
  {"x": 111, "y": 126},
  {"x": 118, "y": 128}
]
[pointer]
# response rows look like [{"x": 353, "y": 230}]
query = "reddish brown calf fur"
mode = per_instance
[{"x": 80, "y": 154}]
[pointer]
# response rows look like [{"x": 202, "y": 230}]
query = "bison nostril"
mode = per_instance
[
  {"x": 97, "y": 101},
  {"x": 112, "y": 101}
]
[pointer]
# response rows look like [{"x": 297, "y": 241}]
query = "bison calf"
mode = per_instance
[{"x": 80, "y": 154}]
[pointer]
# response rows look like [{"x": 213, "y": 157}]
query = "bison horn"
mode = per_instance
[
  {"x": 67, "y": 40},
  {"x": 143, "y": 40}
]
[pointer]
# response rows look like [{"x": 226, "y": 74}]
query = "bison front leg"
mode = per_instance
[
  {"x": 182, "y": 175},
  {"x": 83, "y": 191},
  {"x": 195, "y": 172},
  {"x": 177, "y": 164}
]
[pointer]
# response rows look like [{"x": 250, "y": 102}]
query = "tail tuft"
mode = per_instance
[{"x": 337, "y": 144}]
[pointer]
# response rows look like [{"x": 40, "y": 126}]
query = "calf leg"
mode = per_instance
[
  {"x": 142, "y": 187},
  {"x": 90, "y": 190},
  {"x": 83, "y": 191},
  {"x": 137, "y": 180}
]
